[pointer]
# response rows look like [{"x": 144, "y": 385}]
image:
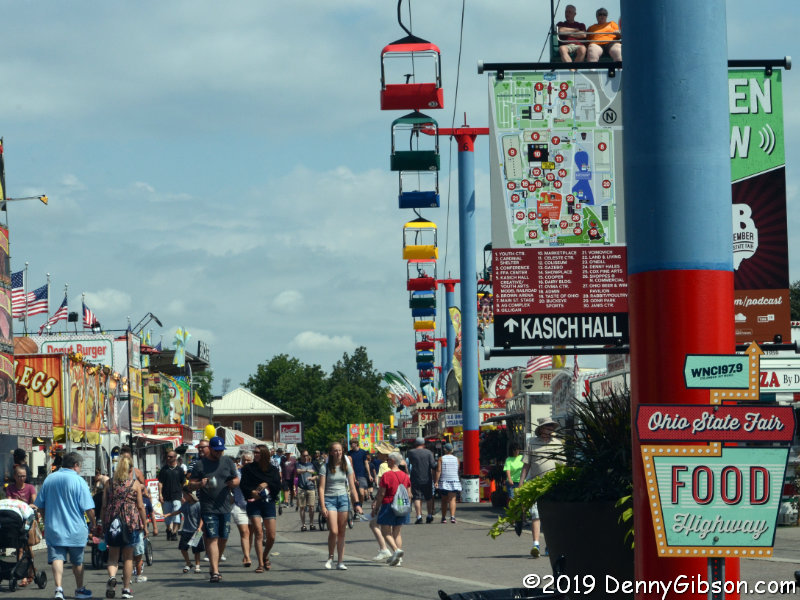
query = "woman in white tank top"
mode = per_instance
[{"x": 448, "y": 482}]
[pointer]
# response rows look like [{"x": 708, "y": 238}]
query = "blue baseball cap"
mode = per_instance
[{"x": 216, "y": 443}]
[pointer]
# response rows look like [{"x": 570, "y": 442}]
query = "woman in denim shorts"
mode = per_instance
[
  {"x": 261, "y": 486},
  {"x": 336, "y": 485}
]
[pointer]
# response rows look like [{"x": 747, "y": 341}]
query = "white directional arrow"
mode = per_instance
[{"x": 510, "y": 324}]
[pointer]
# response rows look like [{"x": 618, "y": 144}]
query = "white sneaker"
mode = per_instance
[
  {"x": 329, "y": 563},
  {"x": 341, "y": 567},
  {"x": 399, "y": 563},
  {"x": 398, "y": 554},
  {"x": 140, "y": 579},
  {"x": 383, "y": 555},
  {"x": 223, "y": 558},
  {"x": 205, "y": 558}
]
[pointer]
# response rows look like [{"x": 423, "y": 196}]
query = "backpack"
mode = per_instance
[{"x": 401, "y": 503}]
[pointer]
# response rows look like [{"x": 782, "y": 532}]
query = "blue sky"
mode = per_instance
[{"x": 225, "y": 165}]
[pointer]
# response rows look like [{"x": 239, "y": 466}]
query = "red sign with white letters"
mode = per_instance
[{"x": 707, "y": 423}]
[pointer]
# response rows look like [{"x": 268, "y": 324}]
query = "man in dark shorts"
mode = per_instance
[
  {"x": 170, "y": 486},
  {"x": 423, "y": 466},
  {"x": 288, "y": 473},
  {"x": 360, "y": 460},
  {"x": 214, "y": 476}
]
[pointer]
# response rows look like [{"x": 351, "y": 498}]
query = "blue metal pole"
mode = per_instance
[{"x": 469, "y": 308}]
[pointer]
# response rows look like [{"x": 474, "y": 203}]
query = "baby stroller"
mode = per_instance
[
  {"x": 100, "y": 552},
  {"x": 16, "y": 520}
]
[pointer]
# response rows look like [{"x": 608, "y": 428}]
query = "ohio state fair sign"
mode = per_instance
[{"x": 709, "y": 500}]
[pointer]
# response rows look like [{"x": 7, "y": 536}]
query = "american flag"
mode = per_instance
[
  {"x": 88, "y": 317},
  {"x": 538, "y": 362},
  {"x": 60, "y": 315},
  {"x": 37, "y": 301},
  {"x": 18, "y": 294}
]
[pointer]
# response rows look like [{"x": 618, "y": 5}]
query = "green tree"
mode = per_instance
[
  {"x": 794, "y": 300},
  {"x": 353, "y": 393},
  {"x": 202, "y": 385},
  {"x": 291, "y": 385},
  {"x": 355, "y": 377}
]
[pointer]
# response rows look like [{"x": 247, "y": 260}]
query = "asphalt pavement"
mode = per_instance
[{"x": 451, "y": 557}]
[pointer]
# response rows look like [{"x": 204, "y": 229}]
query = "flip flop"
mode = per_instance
[
  {"x": 247, "y": 564},
  {"x": 259, "y": 569},
  {"x": 267, "y": 564}
]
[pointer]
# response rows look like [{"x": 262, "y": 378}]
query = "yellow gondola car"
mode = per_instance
[{"x": 420, "y": 240}]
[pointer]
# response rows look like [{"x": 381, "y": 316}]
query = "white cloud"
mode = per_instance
[
  {"x": 176, "y": 306},
  {"x": 312, "y": 340},
  {"x": 141, "y": 186},
  {"x": 72, "y": 183},
  {"x": 108, "y": 300},
  {"x": 288, "y": 301}
]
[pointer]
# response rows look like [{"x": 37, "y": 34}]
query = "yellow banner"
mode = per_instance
[{"x": 39, "y": 377}]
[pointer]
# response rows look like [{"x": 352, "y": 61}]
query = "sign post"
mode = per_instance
[
  {"x": 708, "y": 498},
  {"x": 291, "y": 432}
]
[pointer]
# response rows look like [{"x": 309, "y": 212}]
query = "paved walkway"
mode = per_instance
[{"x": 452, "y": 557}]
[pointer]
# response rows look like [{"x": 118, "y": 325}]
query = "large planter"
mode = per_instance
[{"x": 586, "y": 538}]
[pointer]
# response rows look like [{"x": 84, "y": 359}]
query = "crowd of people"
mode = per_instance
[{"x": 200, "y": 500}]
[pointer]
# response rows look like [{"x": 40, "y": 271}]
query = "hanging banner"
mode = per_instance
[
  {"x": 8, "y": 391},
  {"x": 76, "y": 387},
  {"x": 174, "y": 401},
  {"x": 38, "y": 381},
  {"x": 557, "y": 209},
  {"x": 94, "y": 403},
  {"x": 5, "y": 267},
  {"x": 369, "y": 435},
  {"x": 760, "y": 238}
]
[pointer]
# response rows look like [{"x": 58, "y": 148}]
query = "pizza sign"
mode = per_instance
[{"x": 291, "y": 432}]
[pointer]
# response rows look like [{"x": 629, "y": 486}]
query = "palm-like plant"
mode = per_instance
[{"x": 598, "y": 460}]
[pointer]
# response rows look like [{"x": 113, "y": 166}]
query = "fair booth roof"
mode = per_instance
[{"x": 241, "y": 402}]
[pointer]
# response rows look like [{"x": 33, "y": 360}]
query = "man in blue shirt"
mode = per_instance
[
  {"x": 360, "y": 468},
  {"x": 63, "y": 500}
]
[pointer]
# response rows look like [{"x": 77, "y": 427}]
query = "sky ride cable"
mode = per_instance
[
  {"x": 450, "y": 150},
  {"x": 550, "y": 30}
]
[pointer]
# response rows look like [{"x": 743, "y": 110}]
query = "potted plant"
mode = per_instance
[{"x": 584, "y": 503}]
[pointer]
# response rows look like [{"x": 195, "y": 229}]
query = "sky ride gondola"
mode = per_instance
[
  {"x": 423, "y": 312},
  {"x": 418, "y": 189},
  {"x": 421, "y": 275},
  {"x": 423, "y": 151},
  {"x": 400, "y": 59},
  {"x": 425, "y": 345},
  {"x": 425, "y": 356},
  {"x": 424, "y": 325},
  {"x": 426, "y": 299},
  {"x": 420, "y": 240}
]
